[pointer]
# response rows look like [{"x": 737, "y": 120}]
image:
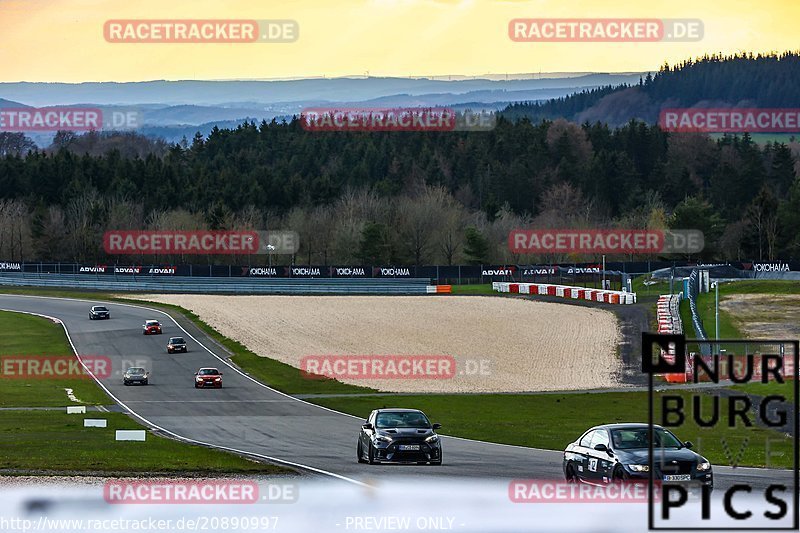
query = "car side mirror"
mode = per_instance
[
  {"x": 688, "y": 444},
  {"x": 367, "y": 426},
  {"x": 602, "y": 448},
  {"x": 436, "y": 426},
  {"x": 196, "y": 373},
  {"x": 220, "y": 373}
]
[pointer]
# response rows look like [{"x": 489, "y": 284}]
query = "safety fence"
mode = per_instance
[
  {"x": 184, "y": 285},
  {"x": 697, "y": 322},
  {"x": 669, "y": 322},
  {"x": 562, "y": 291}
]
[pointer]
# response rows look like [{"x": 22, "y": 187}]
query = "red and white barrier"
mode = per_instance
[
  {"x": 438, "y": 289},
  {"x": 563, "y": 291},
  {"x": 669, "y": 321}
]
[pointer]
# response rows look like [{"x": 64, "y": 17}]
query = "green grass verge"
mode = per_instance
[
  {"x": 706, "y": 309},
  {"x": 26, "y": 336},
  {"x": 551, "y": 421},
  {"x": 54, "y": 441},
  {"x": 477, "y": 289},
  {"x": 766, "y": 389},
  {"x": 759, "y": 287},
  {"x": 655, "y": 289}
]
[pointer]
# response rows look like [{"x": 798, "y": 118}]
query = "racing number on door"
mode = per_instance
[{"x": 592, "y": 464}]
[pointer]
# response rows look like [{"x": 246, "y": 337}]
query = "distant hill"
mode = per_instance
[
  {"x": 8, "y": 103},
  {"x": 176, "y": 109},
  {"x": 771, "y": 80},
  {"x": 210, "y": 93}
]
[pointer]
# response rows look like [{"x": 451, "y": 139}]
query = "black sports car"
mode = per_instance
[
  {"x": 136, "y": 375},
  {"x": 176, "y": 344},
  {"x": 99, "y": 312},
  {"x": 618, "y": 452},
  {"x": 399, "y": 436}
]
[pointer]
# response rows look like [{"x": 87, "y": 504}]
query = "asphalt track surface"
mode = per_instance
[{"x": 247, "y": 416}]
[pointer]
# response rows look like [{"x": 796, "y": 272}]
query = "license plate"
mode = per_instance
[
  {"x": 408, "y": 447},
  {"x": 678, "y": 477}
]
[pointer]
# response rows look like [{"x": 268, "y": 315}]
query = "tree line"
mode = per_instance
[
  {"x": 743, "y": 80},
  {"x": 413, "y": 197}
]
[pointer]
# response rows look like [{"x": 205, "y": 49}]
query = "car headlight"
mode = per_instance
[
  {"x": 217, "y": 379},
  {"x": 382, "y": 438},
  {"x": 704, "y": 466},
  {"x": 198, "y": 378},
  {"x": 639, "y": 468},
  {"x": 432, "y": 439}
]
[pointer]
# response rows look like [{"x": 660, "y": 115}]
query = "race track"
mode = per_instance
[{"x": 249, "y": 417}]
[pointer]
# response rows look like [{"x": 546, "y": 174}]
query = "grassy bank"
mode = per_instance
[
  {"x": 25, "y": 337},
  {"x": 53, "y": 441}
]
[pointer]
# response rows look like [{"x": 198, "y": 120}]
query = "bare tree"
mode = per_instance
[
  {"x": 15, "y": 230},
  {"x": 14, "y": 143},
  {"x": 52, "y": 241},
  {"x": 450, "y": 236},
  {"x": 420, "y": 218}
]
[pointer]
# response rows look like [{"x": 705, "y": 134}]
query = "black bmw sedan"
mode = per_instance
[
  {"x": 399, "y": 436},
  {"x": 618, "y": 452},
  {"x": 99, "y": 312}
]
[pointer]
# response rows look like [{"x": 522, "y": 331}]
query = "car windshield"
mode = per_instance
[
  {"x": 401, "y": 419},
  {"x": 136, "y": 371},
  {"x": 629, "y": 438},
  {"x": 208, "y": 372},
  {"x": 151, "y": 323},
  {"x": 100, "y": 308},
  {"x": 176, "y": 340}
]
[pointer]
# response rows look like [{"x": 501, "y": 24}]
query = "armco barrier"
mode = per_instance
[
  {"x": 669, "y": 321},
  {"x": 561, "y": 291},
  {"x": 176, "y": 284}
]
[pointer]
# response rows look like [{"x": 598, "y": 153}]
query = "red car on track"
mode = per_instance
[
  {"x": 151, "y": 327},
  {"x": 208, "y": 377}
]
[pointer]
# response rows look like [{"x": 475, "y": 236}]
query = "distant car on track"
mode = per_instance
[
  {"x": 99, "y": 312},
  {"x": 151, "y": 327},
  {"x": 176, "y": 344},
  {"x": 136, "y": 374},
  {"x": 620, "y": 452},
  {"x": 208, "y": 377},
  {"x": 399, "y": 436}
]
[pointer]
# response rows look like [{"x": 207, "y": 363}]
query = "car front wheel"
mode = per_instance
[
  {"x": 570, "y": 475},
  {"x": 371, "y": 454},
  {"x": 620, "y": 475},
  {"x": 360, "y": 452}
]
